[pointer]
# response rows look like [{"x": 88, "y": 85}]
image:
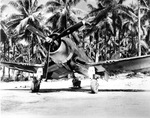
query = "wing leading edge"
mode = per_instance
[
  {"x": 141, "y": 63},
  {"x": 23, "y": 66}
]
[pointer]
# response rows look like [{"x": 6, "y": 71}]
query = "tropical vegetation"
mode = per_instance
[{"x": 113, "y": 31}]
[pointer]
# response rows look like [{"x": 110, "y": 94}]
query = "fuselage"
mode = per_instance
[{"x": 68, "y": 57}]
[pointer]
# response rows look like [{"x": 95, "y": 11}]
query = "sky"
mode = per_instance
[{"x": 82, "y": 5}]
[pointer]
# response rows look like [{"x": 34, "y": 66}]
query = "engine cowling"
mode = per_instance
[{"x": 62, "y": 52}]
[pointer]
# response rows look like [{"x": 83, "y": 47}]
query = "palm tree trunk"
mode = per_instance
[
  {"x": 97, "y": 52},
  {"x": 105, "y": 55},
  {"x": 29, "y": 60},
  {"x": 139, "y": 25},
  {"x": 3, "y": 76},
  {"x": 13, "y": 50},
  {"x": 8, "y": 61},
  {"x": 119, "y": 37},
  {"x": 97, "y": 46},
  {"x": 13, "y": 60}
]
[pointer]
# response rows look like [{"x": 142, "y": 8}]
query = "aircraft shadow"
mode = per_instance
[
  {"x": 89, "y": 90},
  {"x": 79, "y": 90}
]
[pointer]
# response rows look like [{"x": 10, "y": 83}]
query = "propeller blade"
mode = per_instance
[
  {"x": 47, "y": 61},
  {"x": 64, "y": 33},
  {"x": 71, "y": 29}
]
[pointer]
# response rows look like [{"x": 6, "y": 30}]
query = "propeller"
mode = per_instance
[
  {"x": 71, "y": 29},
  {"x": 62, "y": 34},
  {"x": 50, "y": 38}
]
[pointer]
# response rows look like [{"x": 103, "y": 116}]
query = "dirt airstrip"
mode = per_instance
[{"x": 120, "y": 97}]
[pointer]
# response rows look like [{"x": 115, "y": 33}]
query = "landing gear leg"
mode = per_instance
[
  {"x": 94, "y": 81},
  {"x": 94, "y": 85},
  {"x": 35, "y": 86},
  {"x": 49, "y": 75},
  {"x": 76, "y": 82}
]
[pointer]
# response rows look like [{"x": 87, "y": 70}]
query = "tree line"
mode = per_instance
[{"x": 111, "y": 30}]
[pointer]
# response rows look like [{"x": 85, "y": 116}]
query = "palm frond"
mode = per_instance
[
  {"x": 14, "y": 4},
  {"x": 27, "y": 5},
  {"x": 109, "y": 24},
  {"x": 38, "y": 39},
  {"x": 3, "y": 24},
  {"x": 77, "y": 11},
  {"x": 126, "y": 26},
  {"x": 3, "y": 7},
  {"x": 94, "y": 12},
  {"x": 39, "y": 8},
  {"x": 53, "y": 3},
  {"x": 121, "y": 1},
  {"x": 64, "y": 1},
  {"x": 35, "y": 7},
  {"x": 42, "y": 51},
  {"x": 13, "y": 21},
  {"x": 144, "y": 3},
  {"x": 124, "y": 8},
  {"x": 14, "y": 16},
  {"x": 30, "y": 1},
  {"x": 35, "y": 4},
  {"x": 3, "y": 36},
  {"x": 18, "y": 7},
  {"x": 20, "y": 3},
  {"x": 90, "y": 31},
  {"x": 73, "y": 2},
  {"x": 91, "y": 7},
  {"x": 100, "y": 5},
  {"x": 22, "y": 25},
  {"x": 146, "y": 16},
  {"x": 73, "y": 19},
  {"x": 101, "y": 15},
  {"x": 51, "y": 9},
  {"x": 107, "y": 2},
  {"x": 53, "y": 18},
  {"x": 144, "y": 44},
  {"x": 125, "y": 15},
  {"x": 62, "y": 22}
]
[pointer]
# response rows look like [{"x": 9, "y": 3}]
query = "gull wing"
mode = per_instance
[
  {"x": 23, "y": 66},
  {"x": 141, "y": 63}
]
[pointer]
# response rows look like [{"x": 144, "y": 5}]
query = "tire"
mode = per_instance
[
  {"x": 76, "y": 83},
  {"x": 94, "y": 86},
  {"x": 35, "y": 86}
]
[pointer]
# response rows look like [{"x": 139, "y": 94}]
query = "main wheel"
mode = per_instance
[
  {"x": 94, "y": 86},
  {"x": 76, "y": 83},
  {"x": 35, "y": 86}
]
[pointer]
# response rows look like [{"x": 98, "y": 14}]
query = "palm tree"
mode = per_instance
[
  {"x": 64, "y": 14},
  {"x": 108, "y": 19},
  {"x": 27, "y": 14},
  {"x": 142, "y": 11},
  {"x": 5, "y": 40},
  {"x": 145, "y": 22}
]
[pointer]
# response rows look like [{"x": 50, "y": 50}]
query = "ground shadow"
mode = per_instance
[{"x": 79, "y": 90}]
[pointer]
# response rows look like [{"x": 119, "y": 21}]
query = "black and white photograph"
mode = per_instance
[{"x": 74, "y": 58}]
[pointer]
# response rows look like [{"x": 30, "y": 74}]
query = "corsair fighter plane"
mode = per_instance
[{"x": 67, "y": 58}]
